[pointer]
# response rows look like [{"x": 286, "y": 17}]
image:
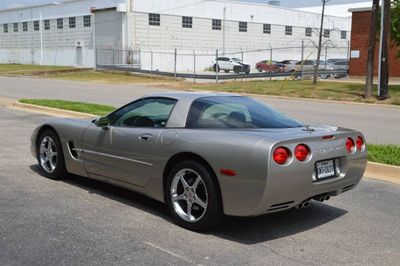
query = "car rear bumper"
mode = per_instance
[{"x": 285, "y": 189}]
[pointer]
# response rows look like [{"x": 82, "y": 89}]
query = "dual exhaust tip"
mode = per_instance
[
  {"x": 307, "y": 203},
  {"x": 322, "y": 198}
]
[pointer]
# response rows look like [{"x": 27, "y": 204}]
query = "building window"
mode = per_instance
[
  {"x": 216, "y": 24},
  {"x": 267, "y": 28},
  {"x": 5, "y": 28},
  {"x": 47, "y": 24},
  {"x": 308, "y": 32},
  {"x": 36, "y": 25},
  {"x": 15, "y": 27},
  {"x": 343, "y": 34},
  {"x": 72, "y": 22},
  {"x": 154, "y": 19},
  {"x": 60, "y": 23},
  {"x": 187, "y": 22},
  {"x": 25, "y": 26},
  {"x": 288, "y": 30},
  {"x": 87, "y": 22},
  {"x": 242, "y": 26},
  {"x": 327, "y": 33}
]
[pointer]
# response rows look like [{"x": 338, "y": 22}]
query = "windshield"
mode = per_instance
[
  {"x": 236, "y": 112},
  {"x": 236, "y": 60}
]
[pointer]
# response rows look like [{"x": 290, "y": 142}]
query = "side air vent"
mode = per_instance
[{"x": 73, "y": 150}]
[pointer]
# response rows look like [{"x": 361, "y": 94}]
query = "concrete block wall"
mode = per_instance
[
  {"x": 59, "y": 45},
  {"x": 202, "y": 39}
]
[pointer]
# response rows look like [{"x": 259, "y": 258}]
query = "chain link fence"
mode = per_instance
[{"x": 229, "y": 64}]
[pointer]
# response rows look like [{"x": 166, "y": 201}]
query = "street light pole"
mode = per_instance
[{"x": 319, "y": 43}]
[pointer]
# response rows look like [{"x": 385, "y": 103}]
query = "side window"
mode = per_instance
[{"x": 148, "y": 112}]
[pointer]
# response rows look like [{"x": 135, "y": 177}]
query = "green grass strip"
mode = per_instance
[
  {"x": 90, "y": 108},
  {"x": 386, "y": 154}
]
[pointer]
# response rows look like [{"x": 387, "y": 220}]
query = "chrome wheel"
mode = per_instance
[
  {"x": 48, "y": 154},
  {"x": 189, "y": 195}
]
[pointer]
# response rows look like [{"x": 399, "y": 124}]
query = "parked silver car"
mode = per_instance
[
  {"x": 308, "y": 66},
  {"x": 206, "y": 155}
]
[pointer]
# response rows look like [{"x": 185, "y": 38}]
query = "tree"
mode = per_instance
[
  {"x": 371, "y": 50},
  {"x": 319, "y": 43},
  {"x": 395, "y": 30}
]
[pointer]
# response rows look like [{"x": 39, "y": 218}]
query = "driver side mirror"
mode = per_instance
[{"x": 102, "y": 122}]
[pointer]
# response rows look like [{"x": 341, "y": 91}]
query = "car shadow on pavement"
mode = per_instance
[
  {"x": 248, "y": 230},
  {"x": 253, "y": 230},
  {"x": 112, "y": 192}
]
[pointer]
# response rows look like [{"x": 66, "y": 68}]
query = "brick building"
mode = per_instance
[{"x": 361, "y": 21}]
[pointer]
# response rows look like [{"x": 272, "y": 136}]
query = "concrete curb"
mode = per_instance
[
  {"x": 379, "y": 171},
  {"x": 384, "y": 172},
  {"x": 50, "y": 111}
]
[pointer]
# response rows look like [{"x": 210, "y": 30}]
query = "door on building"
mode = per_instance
[{"x": 79, "y": 55}]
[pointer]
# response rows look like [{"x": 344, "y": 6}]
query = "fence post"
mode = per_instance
[
  {"x": 113, "y": 58},
  {"x": 95, "y": 58},
  {"x": 270, "y": 62},
  {"x": 175, "y": 55},
  {"x": 302, "y": 58},
  {"x": 242, "y": 68},
  {"x": 194, "y": 66},
  {"x": 140, "y": 56},
  {"x": 216, "y": 66},
  {"x": 326, "y": 56},
  {"x": 348, "y": 58},
  {"x": 151, "y": 60}
]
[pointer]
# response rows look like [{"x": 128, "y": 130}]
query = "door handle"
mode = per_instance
[{"x": 146, "y": 137}]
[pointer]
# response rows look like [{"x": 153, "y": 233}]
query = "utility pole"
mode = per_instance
[
  {"x": 383, "y": 86},
  {"x": 369, "y": 75},
  {"x": 319, "y": 43}
]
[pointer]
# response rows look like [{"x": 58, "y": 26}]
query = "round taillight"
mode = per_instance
[
  {"x": 281, "y": 155},
  {"x": 359, "y": 143},
  {"x": 301, "y": 152},
  {"x": 350, "y": 145}
]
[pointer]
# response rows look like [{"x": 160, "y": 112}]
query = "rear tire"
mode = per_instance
[
  {"x": 50, "y": 155},
  {"x": 193, "y": 196}
]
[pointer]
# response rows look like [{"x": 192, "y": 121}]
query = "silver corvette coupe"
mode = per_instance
[{"x": 206, "y": 155}]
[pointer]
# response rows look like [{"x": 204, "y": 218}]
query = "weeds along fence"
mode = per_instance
[{"x": 200, "y": 64}]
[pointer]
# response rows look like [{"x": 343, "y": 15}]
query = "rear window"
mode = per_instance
[{"x": 236, "y": 112}]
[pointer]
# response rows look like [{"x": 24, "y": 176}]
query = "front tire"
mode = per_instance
[
  {"x": 50, "y": 155},
  {"x": 193, "y": 196}
]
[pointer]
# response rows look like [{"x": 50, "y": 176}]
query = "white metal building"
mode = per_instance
[{"x": 66, "y": 33}]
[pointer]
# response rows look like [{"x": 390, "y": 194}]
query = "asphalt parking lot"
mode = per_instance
[{"x": 78, "y": 221}]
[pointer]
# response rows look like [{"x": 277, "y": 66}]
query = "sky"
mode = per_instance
[{"x": 287, "y": 3}]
